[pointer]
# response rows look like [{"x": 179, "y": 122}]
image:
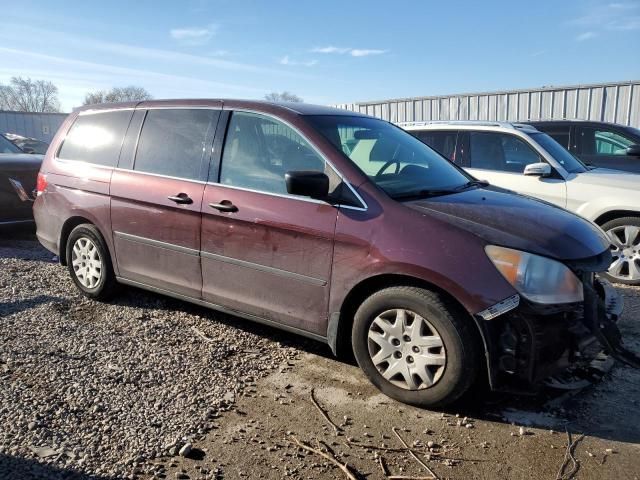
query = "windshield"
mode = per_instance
[
  {"x": 7, "y": 147},
  {"x": 570, "y": 163},
  {"x": 393, "y": 159}
]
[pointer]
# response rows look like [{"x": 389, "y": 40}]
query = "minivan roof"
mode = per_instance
[{"x": 299, "y": 108}]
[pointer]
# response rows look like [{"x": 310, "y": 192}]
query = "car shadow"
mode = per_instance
[
  {"x": 589, "y": 410},
  {"x": 24, "y": 468}
]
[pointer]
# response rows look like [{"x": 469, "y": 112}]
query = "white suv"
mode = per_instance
[{"x": 520, "y": 158}]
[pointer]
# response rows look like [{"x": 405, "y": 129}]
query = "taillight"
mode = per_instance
[{"x": 41, "y": 183}]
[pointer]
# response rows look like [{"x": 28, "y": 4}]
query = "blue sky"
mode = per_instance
[{"x": 325, "y": 51}]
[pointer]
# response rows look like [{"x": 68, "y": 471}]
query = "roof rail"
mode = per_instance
[{"x": 478, "y": 123}]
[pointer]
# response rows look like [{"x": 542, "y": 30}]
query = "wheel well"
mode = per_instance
[
  {"x": 364, "y": 289},
  {"x": 612, "y": 215},
  {"x": 68, "y": 226}
]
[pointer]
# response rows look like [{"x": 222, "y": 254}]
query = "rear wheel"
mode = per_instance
[
  {"x": 89, "y": 262},
  {"x": 416, "y": 346},
  {"x": 624, "y": 234}
]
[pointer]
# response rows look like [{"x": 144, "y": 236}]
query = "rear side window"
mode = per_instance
[
  {"x": 96, "y": 138},
  {"x": 442, "y": 142},
  {"x": 177, "y": 142},
  {"x": 500, "y": 152}
]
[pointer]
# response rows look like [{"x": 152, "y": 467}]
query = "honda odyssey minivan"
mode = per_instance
[{"x": 334, "y": 225}]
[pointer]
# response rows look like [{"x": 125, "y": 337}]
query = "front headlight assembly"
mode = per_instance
[{"x": 539, "y": 279}]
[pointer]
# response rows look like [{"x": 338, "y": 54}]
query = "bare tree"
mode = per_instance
[
  {"x": 283, "y": 97},
  {"x": 117, "y": 94},
  {"x": 26, "y": 95}
]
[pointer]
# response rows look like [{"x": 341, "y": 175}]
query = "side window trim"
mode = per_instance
[
  {"x": 219, "y": 141},
  {"x": 220, "y": 152},
  {"x": 128, "y": 135}
]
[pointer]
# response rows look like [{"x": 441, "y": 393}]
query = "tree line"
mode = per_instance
[{"x": 41, "y": 96}]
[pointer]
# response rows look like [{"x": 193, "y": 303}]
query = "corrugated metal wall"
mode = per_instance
[
  {"x": 42, "y": 126},
  {"x": 608, "y": 102}
]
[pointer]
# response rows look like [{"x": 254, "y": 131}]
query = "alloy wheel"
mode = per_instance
[
  {"x": 86, "y": 261},
  {"x": 625, "y": 249},
  {"x": 406, "y": 349}
]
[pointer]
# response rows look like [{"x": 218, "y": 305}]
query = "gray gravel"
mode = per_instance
[{"x": 102, "y": 388}]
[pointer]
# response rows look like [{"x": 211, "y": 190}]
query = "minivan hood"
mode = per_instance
[{"x": 504, "y": 218}]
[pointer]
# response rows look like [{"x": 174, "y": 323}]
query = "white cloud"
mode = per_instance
[
  {"x": 330, "y": 49},
  {"x": 287, "y": 61},
  {"x": 585, "y": 36},
  {"x": 354, "y": 52},
  {"x": 193, "y": 35},
  {"x": 364, "y": 52},
  {"x": 77, "y": 43}
]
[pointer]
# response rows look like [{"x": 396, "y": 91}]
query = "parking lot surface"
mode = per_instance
[{"x": 150, "y": 387}]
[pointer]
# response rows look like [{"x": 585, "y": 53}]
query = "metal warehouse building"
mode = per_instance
[
  {"x": 42, "y": 126},
  {"x": 617, "y": 102}
]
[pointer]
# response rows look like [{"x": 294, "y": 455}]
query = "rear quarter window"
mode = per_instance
[{"x": 96, "y": 138}]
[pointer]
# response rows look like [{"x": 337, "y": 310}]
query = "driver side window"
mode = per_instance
[{"x": 259, "y": 150}]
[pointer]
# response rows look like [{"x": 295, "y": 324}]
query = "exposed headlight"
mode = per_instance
[{"x": 536, "y": 278}]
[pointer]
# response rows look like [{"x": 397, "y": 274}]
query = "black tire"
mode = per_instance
[
  {"x": 105, "y": 287},
  {"x": 622, "y": 222},
  {"x": 454, "y": 326}
]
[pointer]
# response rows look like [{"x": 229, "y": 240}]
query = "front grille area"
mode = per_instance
[{"x": 531, "y": 346}]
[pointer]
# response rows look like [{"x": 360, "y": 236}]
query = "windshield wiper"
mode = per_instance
[
  {"x": 424, "y": 194},
  {"x": 472, "y": 183},
  {"x": 427, "y": 193}
]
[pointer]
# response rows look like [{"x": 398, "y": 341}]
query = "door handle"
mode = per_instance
[
  {"x": 181, "y": 198},
  {"x": 224, "y": 206}
]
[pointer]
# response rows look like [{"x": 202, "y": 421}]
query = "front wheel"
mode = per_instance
[
  {"x": 416, "y": 346},
  {"x": 624, "y": 234}
]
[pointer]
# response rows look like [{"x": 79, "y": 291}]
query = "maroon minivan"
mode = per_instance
[{"x": 334, "y": 225}]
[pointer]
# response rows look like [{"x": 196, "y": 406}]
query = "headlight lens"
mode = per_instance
[{"x": 537, "y": 278}]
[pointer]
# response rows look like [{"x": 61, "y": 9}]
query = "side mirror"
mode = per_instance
[
  {"x": 633, "y": 150},
  {"x": 540, "y": 169},
  {"x": 307, "y": 184}
]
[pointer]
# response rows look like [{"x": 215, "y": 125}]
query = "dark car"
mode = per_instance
[
  {"x": 333, "y": 225},
  {"x": 27, "y": 144},
  {"x": 601, "y": 144},
  {"x": 18, "y": 174}
]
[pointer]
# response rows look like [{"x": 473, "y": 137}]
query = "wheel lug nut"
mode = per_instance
[
  {"x": 409, "y": 359},
  {"x": 406, "y": 338},
  {"x": 415, "y": 349},
  {"x": 395, "y": 342},
  {"x": 397, "y": 354}
]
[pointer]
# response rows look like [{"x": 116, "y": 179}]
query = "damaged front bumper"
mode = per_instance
[{"x": 532, "y": 342}]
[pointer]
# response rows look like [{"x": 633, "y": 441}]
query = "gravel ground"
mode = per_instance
[
  {"x": 101, "y": 387},
  {"x": 118, "y": 390}
]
